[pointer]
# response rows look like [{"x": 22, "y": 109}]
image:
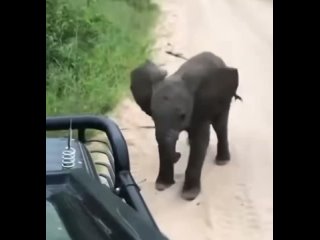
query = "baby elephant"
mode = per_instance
[{"x": 196, "y": 96}]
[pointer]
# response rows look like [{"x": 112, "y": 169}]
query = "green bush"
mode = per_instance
[
  {"x": 140, "y": 4},
  {"x": 91, "y": 46}
]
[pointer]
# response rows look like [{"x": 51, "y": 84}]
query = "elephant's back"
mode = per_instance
[
  {"x": 198, "y": 68},
  {"x": 202, "y": 61}
]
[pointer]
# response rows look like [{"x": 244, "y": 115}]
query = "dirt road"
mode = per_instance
[{"x": 236, "y": 202}]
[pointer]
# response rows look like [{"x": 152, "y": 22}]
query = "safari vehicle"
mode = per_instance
[{"x": 87, "y": 198}]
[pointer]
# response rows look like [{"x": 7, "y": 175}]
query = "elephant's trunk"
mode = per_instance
[
  {"x": 167, "y": 154},
  {"x": 167, "y": 139}
]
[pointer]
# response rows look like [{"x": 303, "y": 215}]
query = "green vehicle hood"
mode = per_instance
[{"x": 55, "y": 229}]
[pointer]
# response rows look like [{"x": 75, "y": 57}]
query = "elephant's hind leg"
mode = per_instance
[{"x": 220, "y": 125}]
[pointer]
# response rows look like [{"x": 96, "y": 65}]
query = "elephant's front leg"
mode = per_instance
[
  {"x": 199, "y": 140},
  {"x": 166, "y": 169},
  {"x": 220, "y": 125}
]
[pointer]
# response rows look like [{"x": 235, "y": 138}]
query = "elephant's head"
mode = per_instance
[{"x": 166, "y": 100}]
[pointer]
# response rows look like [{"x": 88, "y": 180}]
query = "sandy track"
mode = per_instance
[{"x": 237, "y": 199}]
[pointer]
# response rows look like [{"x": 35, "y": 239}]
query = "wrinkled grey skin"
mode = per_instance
[{"x": 196, "y": 96}]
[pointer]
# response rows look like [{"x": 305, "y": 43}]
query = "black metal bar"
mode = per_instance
[
  {"x": 131, "y": 192},
  {"x": 117, "y": 141}
]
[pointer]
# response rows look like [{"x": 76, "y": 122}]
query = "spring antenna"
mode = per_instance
[
  {"x": 70, "y": 135},
  {"x": 68, "y": 155}
]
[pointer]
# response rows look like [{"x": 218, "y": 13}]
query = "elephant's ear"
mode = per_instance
[
  {"x": 219, "y": 87},
  {"x": 143, "y": 79}
]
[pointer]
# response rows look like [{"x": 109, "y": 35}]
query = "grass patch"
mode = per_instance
[{"x": 91, "y": 46}]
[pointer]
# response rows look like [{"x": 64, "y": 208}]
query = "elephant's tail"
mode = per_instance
[
  {"x": 178, "y": 55},
  {"x": 237, "y": 97}
]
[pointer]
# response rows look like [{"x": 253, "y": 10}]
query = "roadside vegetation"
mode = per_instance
[{"x": 91, "y": 46}]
